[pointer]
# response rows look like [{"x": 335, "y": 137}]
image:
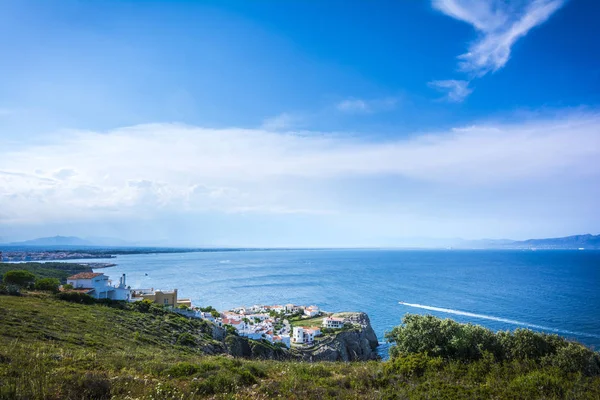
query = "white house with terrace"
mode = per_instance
[
  {"x": 97, "y": 285},
  {"x": 305, "y": 334},
  {"x": 311, "y": 311},
  {"x": 333, "y": 323}
]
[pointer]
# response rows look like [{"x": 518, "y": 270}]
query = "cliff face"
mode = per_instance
[
  {"x": 243, "y": 347},
  {"x": 238, "y": 346},
  {"x": 356, "y": 344}
]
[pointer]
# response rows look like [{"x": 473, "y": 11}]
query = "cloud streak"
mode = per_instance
[
  {"x": 280, "y": 122},
  {"x": 456, "y": 90},
  {"x": 362, "y": 106},
  {"x": 500, "y": 25},
  {"x": 141, "y": 169}
]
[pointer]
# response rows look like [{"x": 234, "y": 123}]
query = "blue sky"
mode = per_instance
[{"x": 338, "y": 123}]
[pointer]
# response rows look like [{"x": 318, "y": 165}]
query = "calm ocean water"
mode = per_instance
[{"x": 553, "y": 291}]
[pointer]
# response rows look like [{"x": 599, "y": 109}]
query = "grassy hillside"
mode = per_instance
[
  {"x": 58, "y": 270},
  {"x": 51, "y": 349}
]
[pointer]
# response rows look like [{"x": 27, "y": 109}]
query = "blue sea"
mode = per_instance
[{"x": 551, "y": 291}]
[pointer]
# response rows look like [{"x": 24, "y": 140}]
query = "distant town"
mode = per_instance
[
  {"x": 43, "y": 255},
  {"x": 288, "y": 325}
]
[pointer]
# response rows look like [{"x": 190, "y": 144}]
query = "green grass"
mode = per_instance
[
  {"x": 316, "y": 321},
  {"x": 50, "y": 349},
  {"x": 58, "y": 270},
  {"x": 42, "y": 317}
]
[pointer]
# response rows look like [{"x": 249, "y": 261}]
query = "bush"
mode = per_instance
[
  {"x": 86, "y": 386},
  {"x": 183, "y": 369},
  {"x": 453, "y": 341},
  {"x": 214, "y": 384},
  {"x": 186, "y": 339},
  {"x": 47, "y": 284},
  {"x": 143, "y": 306},
  {"x": 576, "y": 358},
  {"x": 537, "y": 384},
  {"x": 21, "y": 278},
  {"x": 68, "y": 286},
  {"x": 411, "y": 365},
  {"x": 11, "y": 290},
  {"x": 76, "y": 297},
  {"x": 230, "y": 330}
]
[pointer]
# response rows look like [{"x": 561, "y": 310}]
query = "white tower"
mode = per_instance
[{"x": 298, "y": 334}]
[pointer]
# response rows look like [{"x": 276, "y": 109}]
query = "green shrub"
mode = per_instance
[
  {"x": 143, "y": 306},
  {"x": 76, "y": 297},
  {"x": 411, "y": 365},
  {"x": 537, "y": 384},
  {"x": 451, "y": 341},
  {"x": 230, "y": 330},
  {"x": 182, "y": 369},
  {"x": 85, "y": 386},
  {"x": 21, "y": 278},
  {"x": 527, "y": 344},
  {"x": 11, "y": 290},
  {"x": 68, "y": 286},
  {"x": 215, "y": 384},
  {"x": 573, "y": 358},
  {"x": 186, "y": 339},
  {"x": 47, "y": 284}
]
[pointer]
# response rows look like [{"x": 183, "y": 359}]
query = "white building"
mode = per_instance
[
  {"x": 311, "y": 311},
  {"x": 260, "y": 317},
  {"x": 206, "y": 315},
  {"x": 98, "y": 285},
  {"x": 304, "y": 334},
  {"x": 333, "y": 323},
  {"x": 232, "y": 316},
  {"x": 285, "y": 339},
  {"x": 277, "y": 308},
  {"x": 291, "y": 308},
  {"x": 237, "y": 324}
]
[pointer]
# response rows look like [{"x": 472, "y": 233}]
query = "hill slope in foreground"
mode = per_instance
[{"x": 51, "y": 349}]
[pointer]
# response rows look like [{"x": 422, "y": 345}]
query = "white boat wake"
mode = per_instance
[{"x": 498, "y": 319}]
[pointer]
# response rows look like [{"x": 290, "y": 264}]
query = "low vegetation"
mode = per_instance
[
  {"x": 70, "y": 346},
  {"x": 55, "y": 349},
  {"x": 304, "y": 321},
  {"x": 58, "y": 270}
]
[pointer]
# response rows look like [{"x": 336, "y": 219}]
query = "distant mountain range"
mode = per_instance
[
  {"x": 587, "y": 241},
  {"x": 569, "y": 242},
  {"x": 72, "y": 241}
]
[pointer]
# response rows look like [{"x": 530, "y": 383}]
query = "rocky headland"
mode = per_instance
[{"x": 356, "y": 343}]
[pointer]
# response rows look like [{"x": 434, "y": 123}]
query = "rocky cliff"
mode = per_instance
[{"x": 358, "y": 343}]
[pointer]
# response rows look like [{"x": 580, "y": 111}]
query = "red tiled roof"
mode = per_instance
[{"x": 85, "y": 275}]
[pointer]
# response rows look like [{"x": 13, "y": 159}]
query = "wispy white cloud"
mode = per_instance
[
  {"x": 142, "y": 169},
  {"x": 456, "y": 90},
  {"x": 280, "y": 122},
  {"x": 362, "y": 106},
  {"x": 500, "y": 24}
]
